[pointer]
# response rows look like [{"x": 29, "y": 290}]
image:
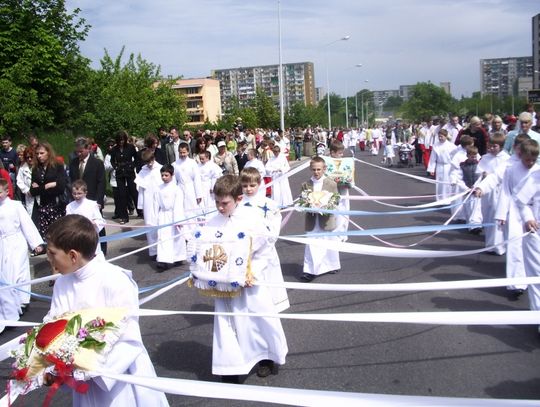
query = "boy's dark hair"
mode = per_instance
[
  {"x": 74, "y": 232},
  {"x": 6, "y": 137},
  {"x": 207, "y": 154},
  {"x": 250, "y": 174},
  {"x": 497, "y": 138},
  {"x": 317, "y": 159},
  {"x": 444, "y": 132},
  {"x": 147, "y": 156},
  {"x": 336, "y": 146},
  {"x": 183, "y": 145},
  {"x": 529, "y": 148},
  {"x": 520, "y": 138},
  {"x": 466, "y": 140},
  {"x": 79, "y": 184},
  {"x": 472, "y": 150},
  {"x": 228, "y": 185},
  {"x": 3, "y": 183},
  {"x": 167, "y": 168}
]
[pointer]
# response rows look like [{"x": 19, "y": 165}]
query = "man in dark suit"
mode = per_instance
[{"x": 91, "y": 170}]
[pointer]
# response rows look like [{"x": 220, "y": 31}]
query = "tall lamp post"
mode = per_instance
[
  {"x": 280, "y": 75},
  {"x": 347, "y": 97},
  {"x": 328, "y": 81},
  {"x": 361, "y": 105}
]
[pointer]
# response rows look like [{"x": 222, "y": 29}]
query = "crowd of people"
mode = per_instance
[{"x": 236, "y": 181}]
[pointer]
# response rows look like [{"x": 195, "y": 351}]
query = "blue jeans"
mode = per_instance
[{"x": 297, "y": 149}]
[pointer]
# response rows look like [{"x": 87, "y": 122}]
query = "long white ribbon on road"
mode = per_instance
[
  {"x": 369, "y": 250},
  {"x": 301, "y": 397},
  {"x": 431, "y": 318}
]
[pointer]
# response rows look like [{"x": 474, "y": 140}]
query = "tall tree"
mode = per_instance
[
  {"x": 267, "y": 113},
  {"x": 133, "y": 97},
  {"x": 41, "y": 67},
  {"x": 427, "y": 100},
  {"x": 302, "y": 115}
]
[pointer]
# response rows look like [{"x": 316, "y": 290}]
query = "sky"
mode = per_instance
[{"x": 397, "y": 42}]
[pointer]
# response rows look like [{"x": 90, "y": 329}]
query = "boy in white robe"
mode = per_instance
[
  {"x": 210, "y": 172},
  {"x": 241, "y": 342},
  {"x": 440, "y": 165},
  {"x": 90, "y": 282},
  {"x": 528, "y": 200},
  {"x": 17, "y": 232},
  {"x": 188, "y": 178},
  {"x": 85, "y": 207},
  {"x": 276, "y": 167},
  {"x": 269, "y": 212},
  {"x": 254, "y": 162},
  {"x": 507, "y": 212},
  {"x": 318, "y": 260},
  {"x": 169, "y": 208},
  {"x": 342, "y": 221},
  {"x": 492, "y": 166},
  {"x": 148, "y": 180}
]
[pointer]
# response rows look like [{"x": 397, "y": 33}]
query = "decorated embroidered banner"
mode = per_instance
[
  {"x": 219, "y": 261},
  {"x": 340, "y": 170}
]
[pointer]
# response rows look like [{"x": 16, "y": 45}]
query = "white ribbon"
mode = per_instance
[
  {"x": 432, "y": 318},
  {"x": 301, "y": 397},
  {"x": 428, "y": 286},
  {"x": 369, "y": 250}
]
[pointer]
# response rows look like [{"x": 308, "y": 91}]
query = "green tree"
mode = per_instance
[
  {"x": 266, "y": 111},
  {"x": 302, "y": 115},
  {"x": 427, "y": 100},
  {"x": 337, "y": 109},
  {"x": 133, "y": 97},
  {"x": 40, "y": 63},
  {"x": 393, "y": 102}
]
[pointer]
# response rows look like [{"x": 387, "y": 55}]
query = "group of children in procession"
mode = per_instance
[{"x": 506, "y": 191}]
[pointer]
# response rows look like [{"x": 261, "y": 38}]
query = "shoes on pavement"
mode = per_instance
[
  {"x": 334, "y": 271},
  {"x": 266, "y": 367},
  {"x": 307, "y": 277},
  {"x": 161, "y": 267},
  {"x": 515, "y": 294}
]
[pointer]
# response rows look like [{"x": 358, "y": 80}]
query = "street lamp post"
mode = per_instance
[
  {"x": 327, "y": 79},
  {"x": 280, "y": 75},
  {"x": 347, "y": 98}
]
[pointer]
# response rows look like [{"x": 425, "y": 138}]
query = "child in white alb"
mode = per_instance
[
  {"x": 169, "y": 207},
  {"x": 271, "y": 216},
  {"x": 148, "y": 180},
  {"x": 492, "y": 166},
  {"x": 85, "y": 207},
  {"x": 17, "y": 232},
  {"x": 241, "y": 342},
  {"x": 210, "y": 172},
  {"x": 507, "y": 212}
]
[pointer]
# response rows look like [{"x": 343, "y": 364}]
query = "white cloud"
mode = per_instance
[{"x": 398, "y": 42}]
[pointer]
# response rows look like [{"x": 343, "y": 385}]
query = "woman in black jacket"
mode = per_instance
[
  {"x": 123, "y": 160},
  {"x": 47, "y": 188}
]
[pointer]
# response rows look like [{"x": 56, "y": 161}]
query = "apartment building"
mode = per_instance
[
  {"x": 499, "y": 76},
  {"x": 242, "y": 83},
  {"x": 203, "y": 101}
]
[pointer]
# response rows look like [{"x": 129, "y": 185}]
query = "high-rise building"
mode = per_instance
[
  {"x": 202, "y": 99},
  {"x": 242, "y": 83},
  {"x": 499, "y": 76},
  {"x": 536, "y": 50}
]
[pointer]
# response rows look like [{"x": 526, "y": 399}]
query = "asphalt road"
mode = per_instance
[{"x": 385, "y": 358}]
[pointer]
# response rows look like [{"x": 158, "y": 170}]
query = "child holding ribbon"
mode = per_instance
[{"x": 320, "y": 192}]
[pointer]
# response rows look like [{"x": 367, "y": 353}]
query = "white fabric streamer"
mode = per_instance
[
  {"x": 432, "y": 318},
  {"x": 369, "y": 250},
  {"x": 302, "y": 397}
]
